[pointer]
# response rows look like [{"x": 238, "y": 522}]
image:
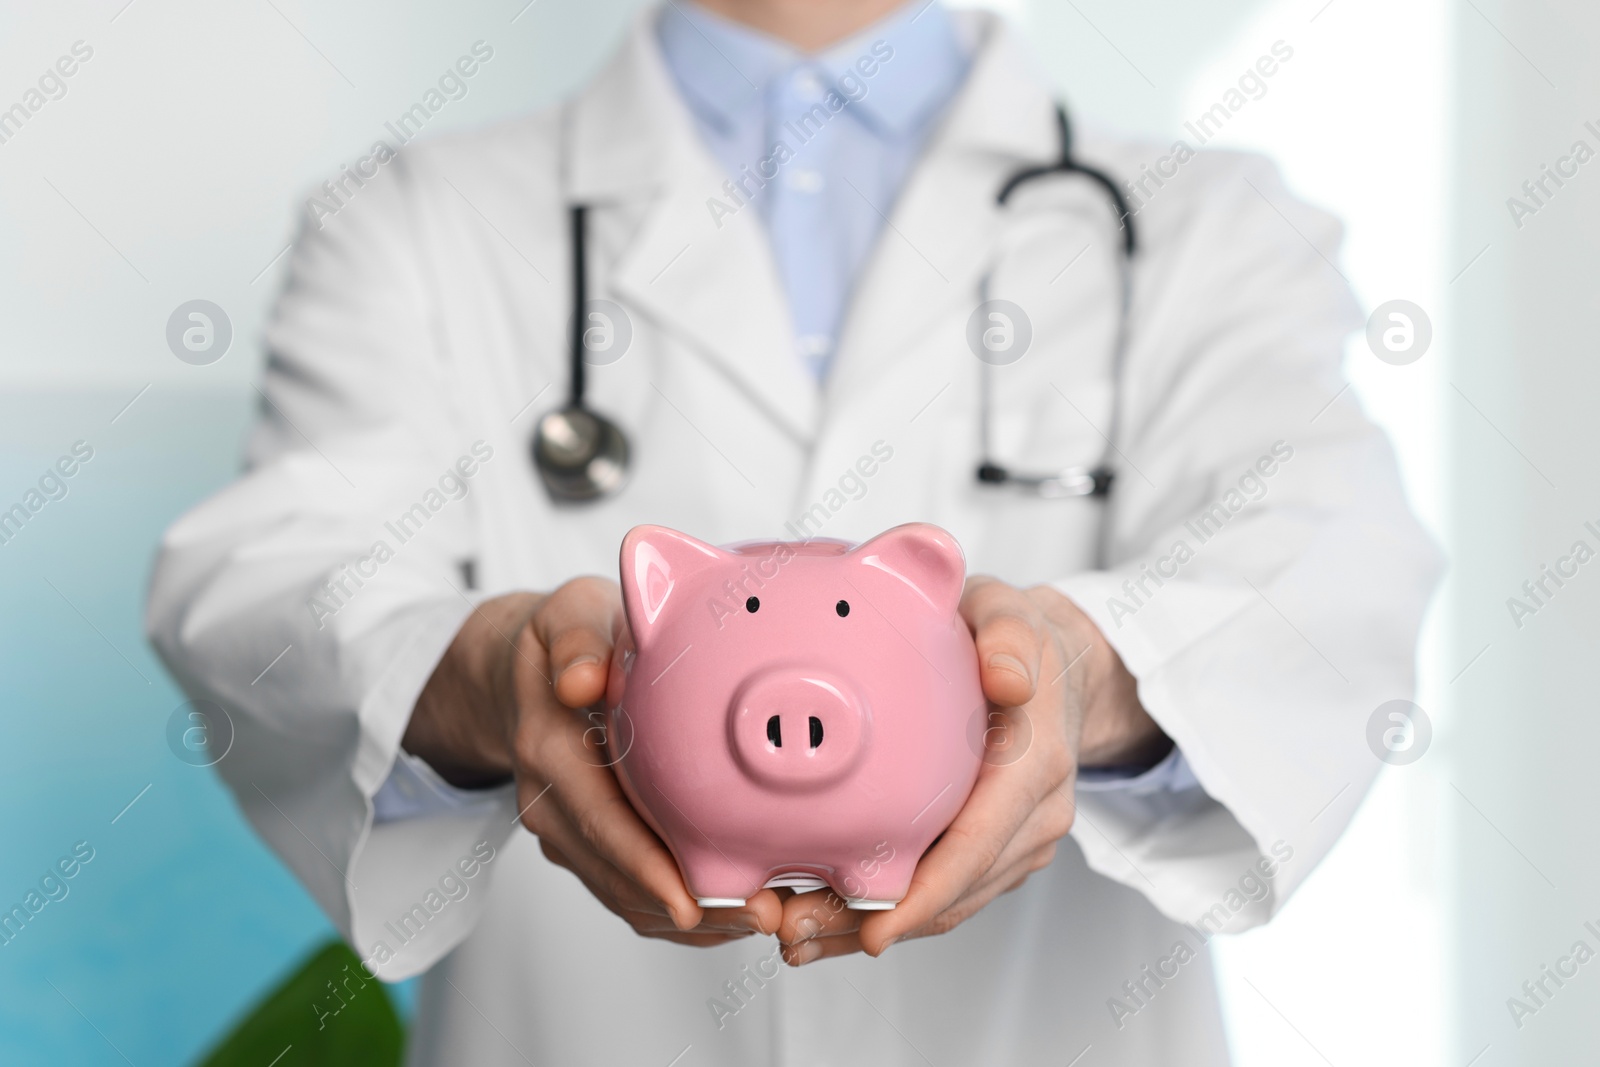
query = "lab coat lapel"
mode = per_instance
[
  {"x": 945, "y": 228},
  {"x": 707, "y": 279}
]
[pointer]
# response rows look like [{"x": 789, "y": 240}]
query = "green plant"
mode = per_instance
[{"x": 328, "y": 1013}]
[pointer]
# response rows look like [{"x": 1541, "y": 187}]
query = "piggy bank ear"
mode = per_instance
[
  {"x": 657, "y": 563},
  {"x": 924, "y": 557}
]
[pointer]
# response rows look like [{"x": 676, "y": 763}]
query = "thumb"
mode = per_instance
[
  {"x": 575, "y": 627},
  {"x": 1009, "y": 632}
]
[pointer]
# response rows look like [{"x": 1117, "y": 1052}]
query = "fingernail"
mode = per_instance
[
  {"x": 750, "y": 922},
  {"x": 1003, "y": 662},
  {"x": 805, "y": 952},
  {"x": 578, "y": 661}
]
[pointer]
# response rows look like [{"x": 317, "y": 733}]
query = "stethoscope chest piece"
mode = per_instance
[{"x": 580, "y": 454}]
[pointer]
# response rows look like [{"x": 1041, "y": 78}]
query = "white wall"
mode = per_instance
[
  {"x": 1525, "y": 869},
  {"x": 164, "y": 173}
]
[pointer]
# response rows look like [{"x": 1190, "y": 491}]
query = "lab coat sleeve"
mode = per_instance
[
  {"x": 1267, "y": 579},
  {"x": 312, "y": 598}
]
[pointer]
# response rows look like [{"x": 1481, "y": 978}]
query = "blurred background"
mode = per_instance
[{"x": 173, "y": 164}]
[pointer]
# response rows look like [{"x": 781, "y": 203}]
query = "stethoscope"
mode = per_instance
[
  {"x": 581, "y": 455},
  {"x": 1073, "y": 481}
]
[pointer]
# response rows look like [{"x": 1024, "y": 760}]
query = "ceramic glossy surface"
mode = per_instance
[{"x": 799, "y": 713}]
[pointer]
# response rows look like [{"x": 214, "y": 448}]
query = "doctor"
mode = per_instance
[{"x": 792, "y": 219}]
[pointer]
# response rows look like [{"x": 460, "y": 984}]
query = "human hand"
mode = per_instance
[
  {"x": 1060, "y": 697},
  {"x": 507, "y": 700}
]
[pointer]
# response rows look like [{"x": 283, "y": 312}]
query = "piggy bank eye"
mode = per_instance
[
  {"x": 752, "y": 605},
  {"x": 843, "y": 608}
]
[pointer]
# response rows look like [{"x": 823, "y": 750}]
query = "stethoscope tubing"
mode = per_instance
[
  {"x": 1094, "y": 482},
  {"x": 578, "y": 216}
]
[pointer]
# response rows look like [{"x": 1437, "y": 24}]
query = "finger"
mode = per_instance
[
  {"x": 610, "y": 826},
  {"x": 1008, "y": 629},
  {"x": 821, "y": 948},
  {"x": 820, "y": 913},
  {"x": 999, "y": 805},
  {"x": 1033, "y": 845},
  {"x": 843, "y": 937},
  {"x": 603, "y": 822},
  {"x": 831, "y": 935},
  {"x": 761, "y": 914},
  {"x": 696, "y": 940},
  {"x": 646, "y": 922},
  {"x": 1031, "y": 848},
  {"x": 1003, "y": 880},
  {"x": 1004, "y": 877},
  {"x": 574, "y": 624},
  {"x": 647, "y": 917},
  {"x": 1044, "y": 828},
  {"x": 613, "y": 885},
  {"x": 565, "y": 847}
]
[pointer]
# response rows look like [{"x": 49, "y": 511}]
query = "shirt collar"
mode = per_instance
[{"x": 726, "y": 68}]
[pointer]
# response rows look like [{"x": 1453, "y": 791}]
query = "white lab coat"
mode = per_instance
[{"x": 431, "y": 311}]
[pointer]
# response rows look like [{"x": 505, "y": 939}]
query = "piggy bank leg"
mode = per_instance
[
  {"x": 880, "y": 887},
  {"x": 715, "y": 882}
]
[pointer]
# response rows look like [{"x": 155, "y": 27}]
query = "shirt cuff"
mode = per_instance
[
  {"x": 414, "y": 790},
  {"x": 1171, "y": 775}
]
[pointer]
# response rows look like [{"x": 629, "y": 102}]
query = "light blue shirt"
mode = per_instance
[{"x": 820, "y": 145}]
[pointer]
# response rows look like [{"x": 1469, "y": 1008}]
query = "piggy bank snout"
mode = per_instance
[{"x": 796, "y": 729}]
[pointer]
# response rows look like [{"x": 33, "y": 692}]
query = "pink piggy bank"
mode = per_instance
[{"x": 795, "y": 714}]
